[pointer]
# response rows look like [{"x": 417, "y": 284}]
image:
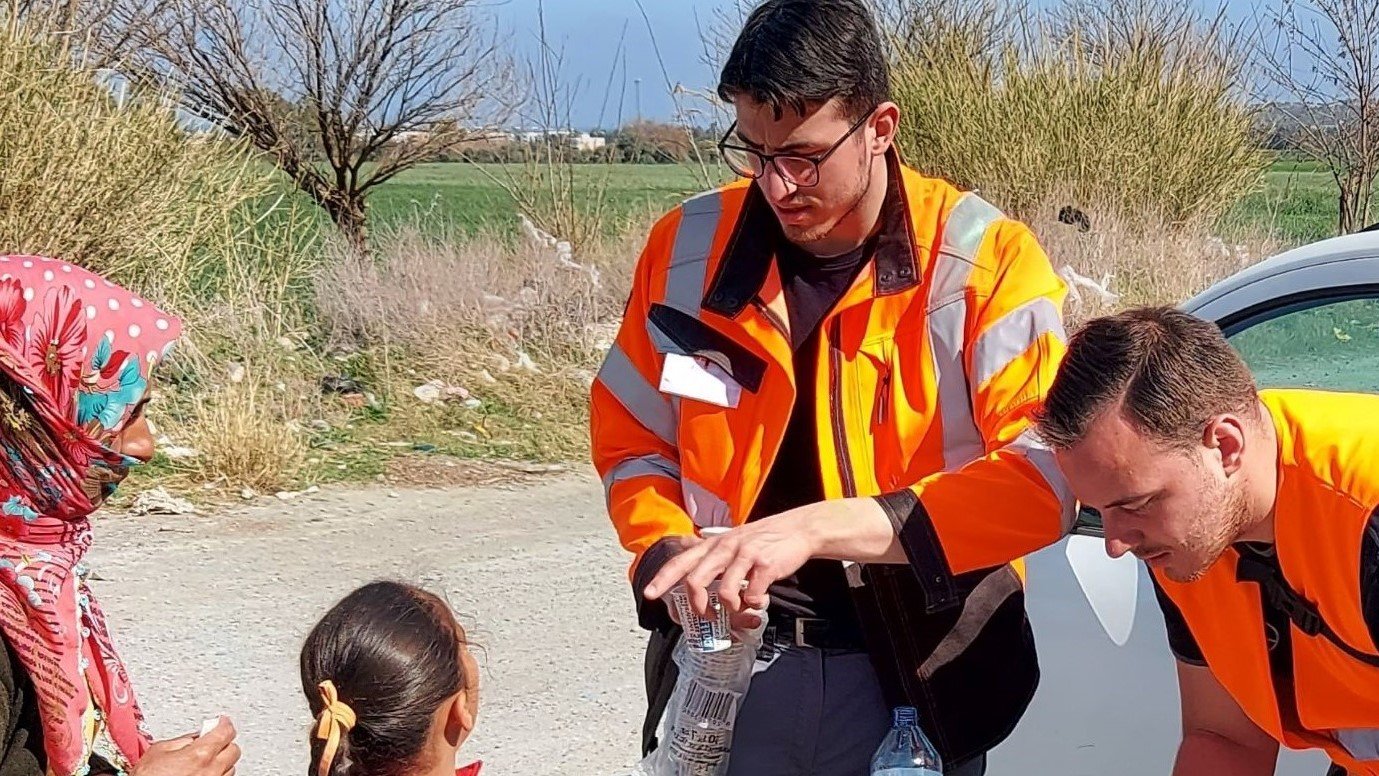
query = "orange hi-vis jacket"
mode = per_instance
[
  {"x": 1323, "y": 688},
  {"x": 936, "y": 358},
  {"x": 930, "y": 368}
]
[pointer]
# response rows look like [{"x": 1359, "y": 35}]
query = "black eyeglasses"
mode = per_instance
[{"x": 796, "y": 168}]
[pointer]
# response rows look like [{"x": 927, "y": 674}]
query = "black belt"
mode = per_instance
[{"x": 787, "y": 630}]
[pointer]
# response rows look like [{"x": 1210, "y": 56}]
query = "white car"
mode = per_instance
[{"x": 1108, "y": 699}]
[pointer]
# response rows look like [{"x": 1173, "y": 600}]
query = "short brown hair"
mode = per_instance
[
  {"x": 1170, "y": 373},
  {"x": 797, "y": 54}
]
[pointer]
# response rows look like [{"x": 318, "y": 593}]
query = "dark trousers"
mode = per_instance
[{"x": 814, "y": 712}]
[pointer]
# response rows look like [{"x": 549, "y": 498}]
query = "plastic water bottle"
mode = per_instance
[
  {"x": 716, "y": 665},
  {"x": 697, "y": 729},
  {"x": 906, "y": 751}
]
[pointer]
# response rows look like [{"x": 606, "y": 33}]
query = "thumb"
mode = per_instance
[{"x": 219, "y": 737}]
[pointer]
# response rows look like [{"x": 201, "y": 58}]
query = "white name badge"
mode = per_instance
[{"x": 699, "y": 379}]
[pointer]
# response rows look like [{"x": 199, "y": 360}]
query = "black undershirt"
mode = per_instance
[{"x": 812, "y": 287}]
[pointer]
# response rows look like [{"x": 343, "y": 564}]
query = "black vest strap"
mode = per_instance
[{"x": 1303, "y": 614}]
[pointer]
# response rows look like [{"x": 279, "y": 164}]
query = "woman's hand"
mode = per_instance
[{"x": 214, "y": 754}]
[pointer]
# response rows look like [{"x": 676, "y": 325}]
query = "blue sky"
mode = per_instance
[{"x": 588, "y": 32}]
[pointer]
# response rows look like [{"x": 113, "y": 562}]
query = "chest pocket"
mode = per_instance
[
  {"x": 896, "y": 401},
  {"x": 673, "y": 331}
]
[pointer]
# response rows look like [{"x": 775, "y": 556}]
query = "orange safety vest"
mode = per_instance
[{"x": 1328, "y": 492}]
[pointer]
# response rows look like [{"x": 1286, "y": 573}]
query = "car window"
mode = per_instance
[{"x": 1331, "y": 345}]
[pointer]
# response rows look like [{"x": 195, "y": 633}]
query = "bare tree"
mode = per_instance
[
  {"x": 1323, "y": 74},
  {"x": 74, "y": 20},
  {"x": 62, "y": 13},
  {"x": 342, "y": 94}
]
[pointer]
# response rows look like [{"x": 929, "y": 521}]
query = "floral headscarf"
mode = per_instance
[{"x": 76, "y": 352}]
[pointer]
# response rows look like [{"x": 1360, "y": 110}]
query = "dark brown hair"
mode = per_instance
[
  {"x": 799, "y": 54},
  {"x": 1169, "y": 373},
  {"x": 393, "y": 652}
]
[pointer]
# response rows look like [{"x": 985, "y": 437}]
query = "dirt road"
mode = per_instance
[{"x": 210, "y": 611}]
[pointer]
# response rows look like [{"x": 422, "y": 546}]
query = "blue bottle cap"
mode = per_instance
[{"x": 905, "y": 716}]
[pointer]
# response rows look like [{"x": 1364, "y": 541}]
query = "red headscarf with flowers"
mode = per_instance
[{"x": 76, "y": 353}]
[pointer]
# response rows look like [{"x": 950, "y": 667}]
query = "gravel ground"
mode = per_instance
[{"x": 210, "y": 612}]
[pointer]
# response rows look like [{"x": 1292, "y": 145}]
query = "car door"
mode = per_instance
[{"x": 1108, "y": 699}]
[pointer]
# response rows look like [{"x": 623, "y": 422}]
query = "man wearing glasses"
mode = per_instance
[{"x": 836, "y": 335}]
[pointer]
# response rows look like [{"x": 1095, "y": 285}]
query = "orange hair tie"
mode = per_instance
[{"x": 334, "y": 720}]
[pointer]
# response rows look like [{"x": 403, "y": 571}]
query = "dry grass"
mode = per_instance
[
  {"x": 1136, "y": 105},
  {"x": 242, "y": 440},
  {"x": 115, "y": 183},
  {"x": 520, "y": 332},
  {"x": 1142, "y": 262},
  {"x": 239, "y": 392}
]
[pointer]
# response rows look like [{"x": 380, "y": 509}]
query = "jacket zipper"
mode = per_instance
[
  {"x": 835, "y": 400},
  {"x": 883, "y": 400},
  {"x": 771, "y": 316}
]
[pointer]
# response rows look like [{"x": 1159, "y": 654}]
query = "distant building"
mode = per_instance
[
  {"x": 587, "y": 142},
  {"x": 580, "y": 141}
]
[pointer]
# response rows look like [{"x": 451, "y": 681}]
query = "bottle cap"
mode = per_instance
[{"x": 905, "y": 716}]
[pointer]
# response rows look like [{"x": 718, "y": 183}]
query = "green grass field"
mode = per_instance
[
  {"x": 1298, "y": 199},
  {"x": 470, "y": 198}
]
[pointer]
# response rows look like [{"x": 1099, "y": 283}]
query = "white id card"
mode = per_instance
[{"x": 699, "y": 379}]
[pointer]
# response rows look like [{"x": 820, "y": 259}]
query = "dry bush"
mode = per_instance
[
  {"x": 1135, "y": 105},
  {"x": 241, "y": 438},
  {"x": 1140, "y": 262},
  {"x": 114, "y": 182},
  {"x": 559, "y": 194},
  {"x": 238, "y": 391},
  {"x": 122, "y": 189},
  {"x": 518, "y": 297},
  {"x": 245, "y": 377},
  {"x": 522, "y": 332}
]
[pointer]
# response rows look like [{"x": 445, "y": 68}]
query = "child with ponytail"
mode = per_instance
[{"x": 390, "y": 681}]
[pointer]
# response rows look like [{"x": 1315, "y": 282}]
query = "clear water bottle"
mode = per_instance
[
  {"x": 906, "y": 751},
  {"x": 716, "y": 665},
  {"x": 697, "y": 730}
]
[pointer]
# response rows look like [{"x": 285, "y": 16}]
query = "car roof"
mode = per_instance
[{"x": 1349, "y": 260}]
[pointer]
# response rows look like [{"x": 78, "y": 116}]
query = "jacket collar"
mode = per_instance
[{"x": 752, "y": 249}]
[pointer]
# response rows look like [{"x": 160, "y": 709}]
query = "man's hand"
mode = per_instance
[
  {"x": 750, "y": 557},
  {"x": 214, "y": 754},
  {"x": 1218, "y": 738},
  {"x": 755, "y": 555},
  {"x": 744, "y": 620}
]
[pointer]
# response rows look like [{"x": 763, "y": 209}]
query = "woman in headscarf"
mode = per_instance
[{"x": 76, "y": 354}]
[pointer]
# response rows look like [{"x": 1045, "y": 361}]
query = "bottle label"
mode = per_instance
[
  {"x": 705, "y": 705},
  {"x": 706, "y": 746}
]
